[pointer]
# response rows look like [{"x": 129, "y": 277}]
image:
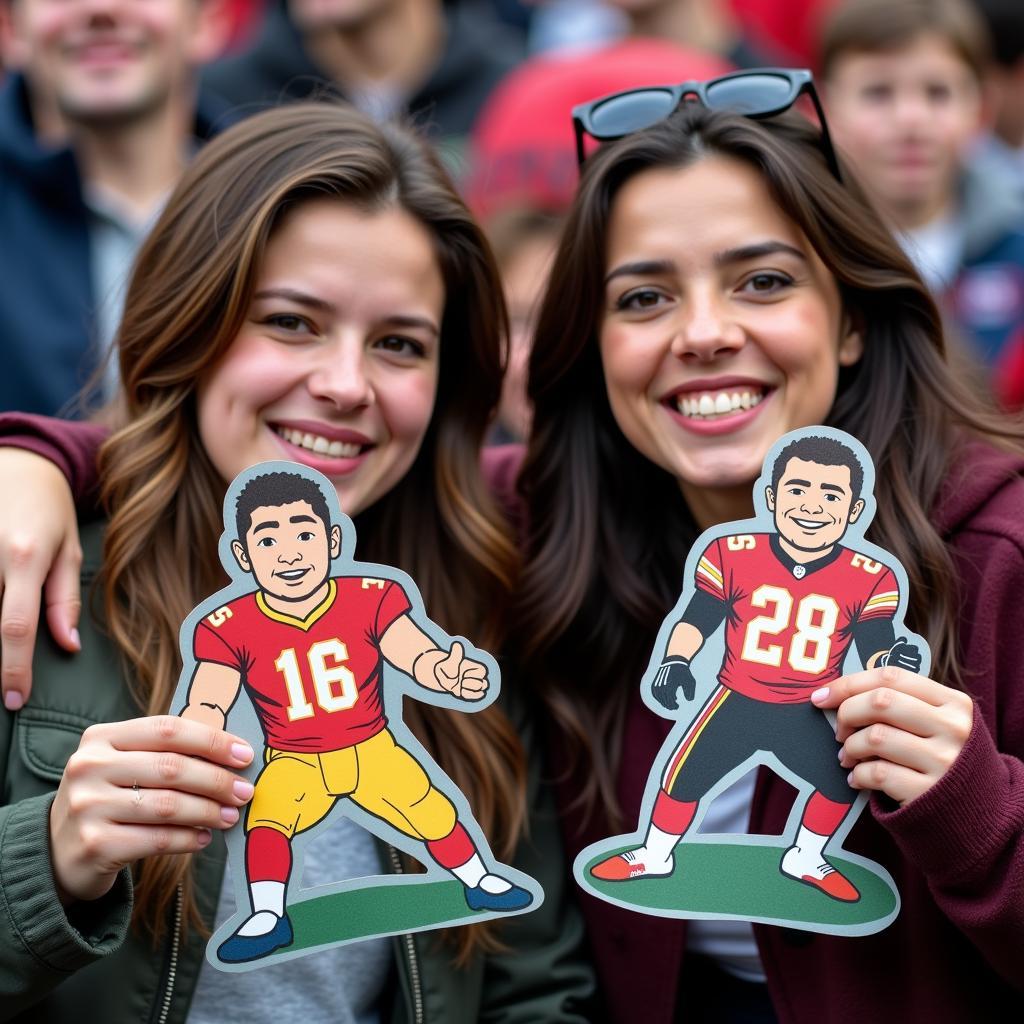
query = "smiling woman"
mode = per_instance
[
  {"x": 315, "y": 291},
  {"x": 716, "y": 287}
]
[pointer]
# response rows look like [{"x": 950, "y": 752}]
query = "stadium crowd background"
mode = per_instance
[{"x": 932, "y": 118}]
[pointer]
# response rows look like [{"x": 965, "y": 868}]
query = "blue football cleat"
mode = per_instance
[
  {"x": 240, "y": 949},
  {"x": 512, "y": 899}
]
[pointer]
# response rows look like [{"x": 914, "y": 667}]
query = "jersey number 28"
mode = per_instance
[
  {"x": 334, "y": 685},
  {"x": 811, "y": 644}
]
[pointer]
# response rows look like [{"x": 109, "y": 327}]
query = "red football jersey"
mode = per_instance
[
  {"x": 789, "y": 626},
  {"x": 315, "y": 682}
]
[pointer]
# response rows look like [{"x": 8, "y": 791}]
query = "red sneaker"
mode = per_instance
[
  {"x": 819, "y": 873},
  {"x": 624, "y": 866}
]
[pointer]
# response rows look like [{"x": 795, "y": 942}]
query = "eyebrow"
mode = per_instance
[
  {"x": 311, "y": 301},
  {"x": 267, "y": 524},
  {"x": 293, "y": 295},
  {"x": 644, "y": 268},
  {"x": 301, "y": 519},
  {"x": 807, "y": 483}
]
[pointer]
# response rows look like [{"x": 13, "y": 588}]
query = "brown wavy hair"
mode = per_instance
[
  {"x": 610, "y": 531},
  {"x": 188, "y": 297}
]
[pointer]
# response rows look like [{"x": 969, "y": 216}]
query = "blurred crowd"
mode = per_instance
[{"x": 104, "y": 101}]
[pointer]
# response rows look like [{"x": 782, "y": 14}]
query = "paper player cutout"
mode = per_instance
[
  {"x": 772, "y": 608},
  {"x": 308, "y": 655}
]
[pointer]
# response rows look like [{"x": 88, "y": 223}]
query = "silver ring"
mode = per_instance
[{"x": 137, "y": 792}]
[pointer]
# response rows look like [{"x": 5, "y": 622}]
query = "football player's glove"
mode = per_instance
[
  {"x": 673, "y": 673},
  {"x": 902, "y": 655}
]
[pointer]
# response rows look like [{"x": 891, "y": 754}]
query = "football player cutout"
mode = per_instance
[
  {"x": 793, "y": 600},
  {"x": 309, "y": 649}
]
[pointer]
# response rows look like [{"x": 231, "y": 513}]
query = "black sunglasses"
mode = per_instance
[{"x": 756, "y": 93}]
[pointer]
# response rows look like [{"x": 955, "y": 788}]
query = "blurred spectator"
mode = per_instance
[
  {"x": 525, "y": 173},
  {"x": 95, "y": 127},
  {"x": 435, "y": 59},
  {"x": 1003, "y": 147},
  {"x": 524, "y": 243},
  {"x": 708, "y": 25},
  {"x": 903, "y": 96}
]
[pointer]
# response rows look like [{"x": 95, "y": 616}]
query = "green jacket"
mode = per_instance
[{"x": 86, "y": 964}]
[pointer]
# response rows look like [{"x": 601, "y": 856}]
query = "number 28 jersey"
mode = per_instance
[
  {"x": 788, "y": 625},
  {"x": 314, "y": 682}
]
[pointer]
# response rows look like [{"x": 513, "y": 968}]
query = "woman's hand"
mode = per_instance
[
  {"x": 138, "y": 788},
  {"x": 899, "y": 731},
  {"x": 39, "y": 552}
]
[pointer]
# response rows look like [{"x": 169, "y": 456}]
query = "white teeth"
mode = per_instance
[
  {"x": 717, "y": 403},
  {"x": 318, "y": 444}
]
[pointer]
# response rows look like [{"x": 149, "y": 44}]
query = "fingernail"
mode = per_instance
[
  {"x": 242, "y": 789},
  {"x": 13, "y": 700},
  {"x": 76, "y": 639},
  {"x": 840, "y": 754},
  {"x": 229, "y": 815},
  {"x": 241, "y": 752},
  {"x": 849, "y": 779},
  {"x": 204, "y": 837},
  {"x": 820, "y": 694}
]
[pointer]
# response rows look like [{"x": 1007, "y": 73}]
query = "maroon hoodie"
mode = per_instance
[{"x": 955, "y": 953}]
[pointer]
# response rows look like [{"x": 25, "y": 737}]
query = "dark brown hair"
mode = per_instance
[
  {"x": 187, "y": 299},
  {"x": 882, "y": 26},
  {"x": 610, "y": 531}
]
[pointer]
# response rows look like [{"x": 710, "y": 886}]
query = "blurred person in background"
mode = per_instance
[
  {"x": 524, "y": 174},
  {"x": 524, "y": 244},
  {"x": 97, "y": 123},
  {"x": 709, "y": 25},
  {"x": 436, "y": 59},
  {"x": 904, "y": 98},
  {"x": 1004, "y": 144}
]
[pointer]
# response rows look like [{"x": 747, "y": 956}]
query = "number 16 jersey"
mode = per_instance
[
  {"x": 789, "y": 625},
  {"x": 314, "y": 682}
]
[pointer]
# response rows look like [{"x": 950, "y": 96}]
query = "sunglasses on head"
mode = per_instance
[{"x": 756, "y": 93}]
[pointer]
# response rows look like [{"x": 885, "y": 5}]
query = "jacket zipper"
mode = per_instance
[
  {"x": 172, "y": 967},
  {"x": 410, "y": 954}
]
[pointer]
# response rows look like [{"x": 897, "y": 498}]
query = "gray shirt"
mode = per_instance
[{"x": 342, "y": 985}]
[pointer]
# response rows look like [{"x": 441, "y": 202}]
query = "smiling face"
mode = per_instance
[
  {"x": 288, "y": 550},
  {"x": 336, "y": 365},
  {"x": 111, "y": 60},
  {"x": 722, "y": 329},
  {"x": 905, "y": 118},
  {"x": 813, "y": 506}
]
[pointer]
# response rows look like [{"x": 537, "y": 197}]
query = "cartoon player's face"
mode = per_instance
[
  {"x": 288, "y": 549},
  {"x": 814, "y": 505}
]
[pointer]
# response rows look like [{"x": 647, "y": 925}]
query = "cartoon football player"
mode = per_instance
[
  {"x": 309, "y": 650},
  {"x": 792, "y": 602}
]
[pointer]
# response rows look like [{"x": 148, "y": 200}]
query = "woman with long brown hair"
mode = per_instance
[
  {"x": 721, "y": 282},
  {"x": 314, "y": 290}
]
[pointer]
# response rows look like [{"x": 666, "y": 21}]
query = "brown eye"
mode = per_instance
[
  {"x": 766, "y": 283},
  {"x": 642, "y": 298}
]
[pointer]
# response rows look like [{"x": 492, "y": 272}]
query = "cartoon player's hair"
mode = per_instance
[
  {"x": 273, "y": 489},
  {"x": 824, "y": 451}
]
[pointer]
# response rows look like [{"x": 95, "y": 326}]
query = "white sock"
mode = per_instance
[
  {"x": 810, "y": 843},
  {"x": 260, "y": 923},
  {"x": 659, "y": 845},
  {"x": 472, "y": 872},
  {"x": 494, "y": 884},
  {"x": 267, "y": 896}
]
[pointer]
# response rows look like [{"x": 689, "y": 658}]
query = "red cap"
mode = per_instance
[{"x": 524, "y": 150}]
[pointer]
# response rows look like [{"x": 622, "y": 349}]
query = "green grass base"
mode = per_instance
[
  {"x": 744, "y": 881},
  {"x": 381, "y": 910}
]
